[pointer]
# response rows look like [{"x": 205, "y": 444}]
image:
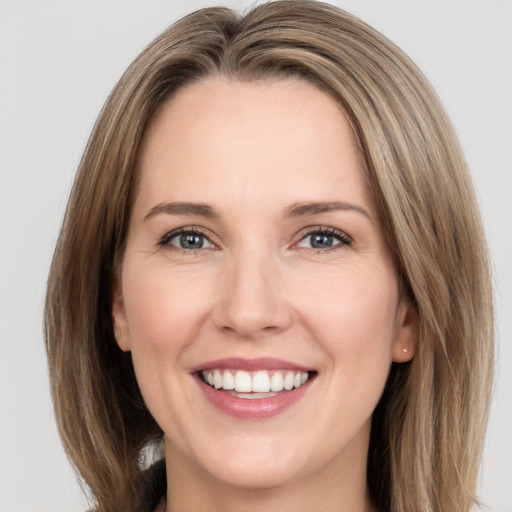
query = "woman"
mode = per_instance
[{"x": 272, "y": 260}]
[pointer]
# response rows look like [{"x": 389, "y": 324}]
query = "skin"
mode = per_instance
[{"x": 257, "y": 288}]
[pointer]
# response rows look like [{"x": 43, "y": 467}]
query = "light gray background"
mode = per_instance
[{"x": 58, "y": 61}]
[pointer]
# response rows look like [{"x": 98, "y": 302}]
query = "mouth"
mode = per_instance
[
  {"x": 253, "y": 389},
  {"x": 256, "y": 384}
]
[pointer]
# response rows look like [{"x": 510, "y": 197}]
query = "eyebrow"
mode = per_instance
[
  {"x": 176, "y": 208},
  {"x": 305, "y": 209},
  {"x": 294, "y": 210}
]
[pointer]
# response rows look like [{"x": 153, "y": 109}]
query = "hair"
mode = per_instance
[{"x": 428, "y": 429}]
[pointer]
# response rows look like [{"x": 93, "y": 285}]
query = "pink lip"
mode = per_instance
[
  {"x": 260, "y": 363},
  {"x": 252, "y": 409},
  {"x": 255, "y": 409}
]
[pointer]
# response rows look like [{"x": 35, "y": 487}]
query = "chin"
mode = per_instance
[
  {"x": 257, "y": 476},
  {"x": 262, "y": 466}
]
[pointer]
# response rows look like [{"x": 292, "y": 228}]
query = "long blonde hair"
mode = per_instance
[{"x": 428, "y": 428}]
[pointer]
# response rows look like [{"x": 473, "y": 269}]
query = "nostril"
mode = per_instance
[{"x": 249, "y": 333}]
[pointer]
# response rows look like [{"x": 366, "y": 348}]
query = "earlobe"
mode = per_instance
[
  {"x": 119, "y": 321},
  {"x": 406, "y": 332}
]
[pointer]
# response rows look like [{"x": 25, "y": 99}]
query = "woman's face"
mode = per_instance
[{"x": 255, "y": 259}]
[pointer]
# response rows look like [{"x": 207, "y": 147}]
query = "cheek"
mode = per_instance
[
  {"x": 353, "y": 315},
  {"x": 164, "y": 309},
  {"x": 164, "y": 316}
]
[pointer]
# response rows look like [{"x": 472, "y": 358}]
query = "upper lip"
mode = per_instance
[{"x": 259, "y": 363}]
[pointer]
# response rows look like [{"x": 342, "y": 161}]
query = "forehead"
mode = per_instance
[{"x": 218, "y": 135}]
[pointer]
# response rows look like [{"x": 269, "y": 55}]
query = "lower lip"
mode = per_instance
[{"x": 252, "y": 409}]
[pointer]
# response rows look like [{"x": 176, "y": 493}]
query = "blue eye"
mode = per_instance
[
  {"x": 321, "y": 241},
  {"x": 187, "y": 240},
  {"x": 324, "y": 239}
]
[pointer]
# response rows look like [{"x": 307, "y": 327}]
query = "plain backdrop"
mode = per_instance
[{"x": 59, "y": 60}]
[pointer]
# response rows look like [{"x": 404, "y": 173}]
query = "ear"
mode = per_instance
[
  {"x": 119, "y": 320},
  {"x": 406, "y": 332}
]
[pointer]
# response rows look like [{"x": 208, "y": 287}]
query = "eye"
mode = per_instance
[
  {"x": 324, "y": 238},
  {"x": 187, "y": 240}
]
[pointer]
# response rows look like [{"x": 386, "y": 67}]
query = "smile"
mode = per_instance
[
  {"x": 253, "y": 389},
  {"x": 248, "y": 384}
]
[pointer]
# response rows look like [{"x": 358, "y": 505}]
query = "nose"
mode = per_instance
[{"x": 251, "y": 302}]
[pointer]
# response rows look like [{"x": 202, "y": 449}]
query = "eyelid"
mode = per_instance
[
  {"x": 196, "y": 230},
  {"x": 344, "y": 238}
]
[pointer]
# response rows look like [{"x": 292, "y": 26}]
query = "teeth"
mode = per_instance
[
  {"x": 288, "y": 381},
  {"x": 217, "y": 379},
  {"x": 260, "y": 381},
  {"x": 242, "y": 382},
  {"x": 276, "y": 382},
  {"x": 229, "y": 380}
]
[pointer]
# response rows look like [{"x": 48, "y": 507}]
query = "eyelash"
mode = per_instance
[
  {"x": 342, "y": 237},
  {"x": 165, "y": 240}
]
